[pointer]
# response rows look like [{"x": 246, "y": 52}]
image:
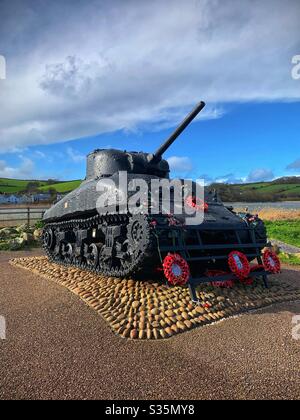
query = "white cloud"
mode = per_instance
[
  {"x": 294, "y": 166},
  {"x": 222, "y": 179},
  {"x": 229, "y": 179},
  {"x": 147, "y": 67},
  {"x": 180, "y": 164},
  {"x": 25, "y": 170},
  {"x": 40, "y": 154},
  {"x": 75, "y": 156},
  {"x": 258, "y": 175}
]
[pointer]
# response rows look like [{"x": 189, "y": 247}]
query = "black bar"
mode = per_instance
[
  {"x": 207, "y": 247},
  {"x": 205, "y": 279},
  {"x": 217, "y": 257},
  {"x": 205, "y": 228},
  {"x": 193, "y": 292}
]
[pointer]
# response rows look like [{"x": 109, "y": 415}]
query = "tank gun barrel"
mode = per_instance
[{"x": 158, "y": 154}]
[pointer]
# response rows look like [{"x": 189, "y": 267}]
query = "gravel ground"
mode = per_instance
[{"x": 58, "y": 348}]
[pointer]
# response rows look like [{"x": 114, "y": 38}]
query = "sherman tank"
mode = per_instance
[{"x": 108, "y": 237}]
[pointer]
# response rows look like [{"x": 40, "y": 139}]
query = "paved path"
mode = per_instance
[{"x": 57, "y": 347}]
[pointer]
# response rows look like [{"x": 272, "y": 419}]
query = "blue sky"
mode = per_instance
[
  {"x": 246, "y": 138},
  {"x": 130, "y": 75}
]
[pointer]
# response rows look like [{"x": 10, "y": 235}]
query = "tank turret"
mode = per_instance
[{"x": 104, "y": 163}]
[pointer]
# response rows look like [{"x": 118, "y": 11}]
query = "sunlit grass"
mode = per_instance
[
  {"x": 62, "y": 187},
  {"x": 289, "y": 259},
  {"x": 287, "y": 231}
]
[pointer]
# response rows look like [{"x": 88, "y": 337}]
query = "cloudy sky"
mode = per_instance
[{"x": 82, "y": 75}]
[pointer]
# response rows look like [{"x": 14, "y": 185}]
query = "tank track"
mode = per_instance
[
  {"x": 112, "y": 245},
  {"x": 122, "y": 245}
]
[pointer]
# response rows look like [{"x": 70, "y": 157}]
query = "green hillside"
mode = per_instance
[
  {"x": 12, "y": 186},
  {"x": 15, "y": 186},
  {"x": 62, "y": 187},
  {"x": 282, "y": 189}
]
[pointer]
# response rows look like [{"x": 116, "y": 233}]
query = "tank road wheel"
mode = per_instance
[
  {"x": 78, "y": 255},
  {"x": 48, "y": 239},
  {"x": 112, "y": 255},
  {"x": 138, "y": 238},
  {"x": 138, "y": 233},
  {"x": 126, "y": 246},
  {"x": 92, "y": 257},
  {"x": 66, "y": 252}
]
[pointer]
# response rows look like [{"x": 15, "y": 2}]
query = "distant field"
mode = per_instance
[
  {"x": 269, "y": 187},
  {"x": 283, "y": 189},
  {"x": 272, "y": 188},
  {"x": 14, "y": 186},
  {"x": 62, "y": 187}
]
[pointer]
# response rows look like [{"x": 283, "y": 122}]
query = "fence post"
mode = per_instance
[{"x": 28, "y": 216}]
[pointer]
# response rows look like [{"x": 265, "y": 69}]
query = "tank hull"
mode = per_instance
[{"x": 80, "y": 233}]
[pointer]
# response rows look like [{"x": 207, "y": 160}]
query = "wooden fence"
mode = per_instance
[{"x": 17, "y": 216}]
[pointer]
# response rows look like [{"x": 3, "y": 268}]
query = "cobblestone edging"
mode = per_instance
[{"x": 149, "y": 310}]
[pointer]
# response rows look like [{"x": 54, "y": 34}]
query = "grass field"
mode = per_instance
[
  {"x": 12, "y": 186},
  {"x": 268, "y": 187},
  {"x": 62, "y": 187},
  {"x": 289, "y": 259},
  {"x": 287, "y": 231},
  {"x": 283, "y": 225},
  {"x": 15, "y": 186}
]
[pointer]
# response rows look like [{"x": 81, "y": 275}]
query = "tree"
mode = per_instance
[
  {"x": 32, "y": 186},
  {"x": 52, "y": 181}
]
